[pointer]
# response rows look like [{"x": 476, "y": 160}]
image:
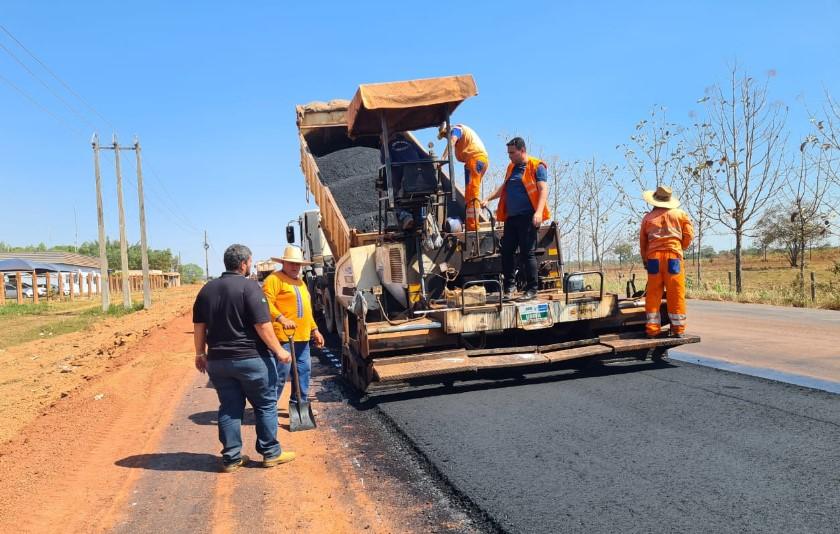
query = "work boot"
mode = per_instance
[
  {"x": 531, "y": 294},
  {"x": 677, "y": 335},
  {"x": 283, "y": 458},
  {"x": 233, "y": 466},
  {"x": 509, "y": 292}
]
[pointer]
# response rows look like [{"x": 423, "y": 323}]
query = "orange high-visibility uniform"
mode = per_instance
[
  {"x": 665, "y": 233},
  {"x": 529, "y": 180},
  {"x": 469, "y": 150},
  {"x": 290, "y": 297}
]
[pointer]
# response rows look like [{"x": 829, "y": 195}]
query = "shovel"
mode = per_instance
[{"x": 300, "y": 414}]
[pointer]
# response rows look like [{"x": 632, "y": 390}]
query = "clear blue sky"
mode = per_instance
[{"x": 210, "y": 88}]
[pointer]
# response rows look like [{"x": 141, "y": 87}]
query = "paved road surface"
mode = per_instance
[
  {"x": 641, "y": 448},
  {"x": 792, "y": 340}
]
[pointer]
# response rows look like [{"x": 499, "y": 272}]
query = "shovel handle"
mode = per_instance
[{"x": 295, "y": 377}]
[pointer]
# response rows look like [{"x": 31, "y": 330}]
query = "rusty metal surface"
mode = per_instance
[{"x": 626, "y": 343}]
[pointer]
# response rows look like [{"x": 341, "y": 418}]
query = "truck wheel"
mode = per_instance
[{"x": 328, "y": 307}]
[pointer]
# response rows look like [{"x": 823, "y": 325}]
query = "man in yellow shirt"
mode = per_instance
[{"x": 291, "y": 307}]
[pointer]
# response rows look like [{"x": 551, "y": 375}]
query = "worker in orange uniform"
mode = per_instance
[
  {"x": 666, "y": 231},
  {"x": 291, "y": 307},
  {"x": 470, "y": 151}
]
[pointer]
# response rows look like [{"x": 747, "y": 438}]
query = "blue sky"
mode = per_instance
[{"x": 210, "y": 88}]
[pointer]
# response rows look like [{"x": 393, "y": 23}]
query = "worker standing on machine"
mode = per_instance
[
  {"x": 522, "y": 208},
  {"x": 666, "y": 231},
  {"x": 470, "y": 151}
]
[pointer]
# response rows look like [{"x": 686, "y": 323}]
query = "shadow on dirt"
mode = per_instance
[
  {"x": 211, "y": 417},
  {"x": 172, "y": 461}
]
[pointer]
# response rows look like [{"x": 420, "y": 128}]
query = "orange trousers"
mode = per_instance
[
  {"x": 665, "y": 272},
  {"x": 474, "y": 170}
]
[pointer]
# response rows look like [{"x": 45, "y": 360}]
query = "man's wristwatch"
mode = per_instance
[{"x": 279, "y": 316}]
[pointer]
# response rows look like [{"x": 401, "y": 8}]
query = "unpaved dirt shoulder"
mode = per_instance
[
  {"x": 134, "y": 449},
  {"x": 36, "y": 376}
]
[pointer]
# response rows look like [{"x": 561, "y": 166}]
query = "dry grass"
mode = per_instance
[{"x": 766, "y": 282}]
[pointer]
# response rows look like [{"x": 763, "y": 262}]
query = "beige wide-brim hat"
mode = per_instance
[
  {"x": 292, "y": 254},
  {"x": 661, "y": 198}
]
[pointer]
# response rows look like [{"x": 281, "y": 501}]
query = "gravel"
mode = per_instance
[{"x": 351, "y": 176}]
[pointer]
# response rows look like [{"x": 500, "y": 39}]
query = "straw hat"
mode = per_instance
[
  {"x": 292, "y": 254},
  {"x": 661, "y": 198}
]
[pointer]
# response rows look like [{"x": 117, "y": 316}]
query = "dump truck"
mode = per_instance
[{"x": 415, "y": 295}]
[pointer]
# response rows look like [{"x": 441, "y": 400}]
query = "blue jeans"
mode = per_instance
[
  {"x": 254, "y": 379},
  {"x": 304, "y": 365}
]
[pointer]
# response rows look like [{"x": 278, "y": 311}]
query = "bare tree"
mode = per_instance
[
  {"x": 694, "y": 182},
  {"x": 653, "y": 158},
  {"x": 600, "y": 202},
  {"x": 749, "y": 145},
  {"x": 806, "y": 194}
]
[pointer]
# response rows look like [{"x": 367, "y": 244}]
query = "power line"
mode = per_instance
[
  {"x": 50, "y": 89},
  {"x": 54, "y": 75},
  {"x": 40, "y": 106}
]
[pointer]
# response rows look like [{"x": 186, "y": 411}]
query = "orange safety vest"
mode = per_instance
[
  {"x": 469, "y": 145},
  {"x": 667, "y": 230},
  {"x": 529, "y": 180}
]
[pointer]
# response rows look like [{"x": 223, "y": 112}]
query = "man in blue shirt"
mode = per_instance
[{"x": 522, "y": 207}]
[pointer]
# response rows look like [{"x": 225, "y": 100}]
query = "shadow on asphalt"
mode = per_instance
[
  {"x": 500, "y": 378},
  {"x": 212, "y": 417},
  {"x": 172, "y": 461}
]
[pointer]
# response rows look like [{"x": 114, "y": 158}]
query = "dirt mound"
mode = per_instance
[{"x": 351, "y": 176}]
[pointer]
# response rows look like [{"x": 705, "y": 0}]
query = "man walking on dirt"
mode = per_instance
[
  {"x": 522, "y": 207},
  {"x": 291, "y": 309},
  {"x": 234, "y": 343},
  {"x": 470, "y": 151},
  {"x": 666, "y": 231}
]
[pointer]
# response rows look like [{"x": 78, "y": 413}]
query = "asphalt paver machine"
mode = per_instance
[{"x": 425, "y": 299}]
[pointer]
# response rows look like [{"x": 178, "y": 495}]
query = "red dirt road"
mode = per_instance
[{"x": 135, "y": 450}]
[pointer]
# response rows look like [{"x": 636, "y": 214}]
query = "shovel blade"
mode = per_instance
[{"x": 301, "y": 417}]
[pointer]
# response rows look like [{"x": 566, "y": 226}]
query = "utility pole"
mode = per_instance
[
  {"x": 123, "y": 244},
  {"x": 206, "y": 261},
  {"x": 144, "y": 253},
  {"x": 100, "y": 215}
]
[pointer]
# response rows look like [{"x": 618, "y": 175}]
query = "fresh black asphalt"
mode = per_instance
[{"x": 633, "y": 448}]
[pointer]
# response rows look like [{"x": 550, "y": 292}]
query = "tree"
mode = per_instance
[
  {"x": 749, "y": 145},
  {"x": 653, "y": 158},
  {"x": 600, "y": 203},
  {"x": 190, "y": 273},
  {"x": 625, "y": 252},
  {"x": 694, "y": 181},
  {"x": 806, "y": 191},
  {"x": 781, "y": 226}
]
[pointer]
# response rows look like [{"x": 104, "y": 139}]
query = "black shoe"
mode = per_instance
[
  {"x": 529, "y": 295},
  {"x": 677, "y": 336},
  {"x": 509, "y": 293}
]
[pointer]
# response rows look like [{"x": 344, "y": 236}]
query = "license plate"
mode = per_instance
[{"x": 536, "y": 314}]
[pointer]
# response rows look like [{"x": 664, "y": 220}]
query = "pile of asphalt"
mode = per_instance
[
  {"x": 641, "y": 448},
  {"x": 351, "y": 176}
]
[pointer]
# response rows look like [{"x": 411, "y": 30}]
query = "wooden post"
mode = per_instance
[
  {"x": 89, "y": 279},
  {"x": 123, "y": 242},
  {"x": 34, "y": 287},
  {"x": 144, "y": 253},
  {"x": 3, "y": 293},
  {"x": 47, "y": 284},
  {"x": 729, "y": 273},
  {"x": 70, "y": 277},
  {"x": 60, "y": 286},
  {"x": 813, "y": 288},
  {"x": 19, "y": 282},
  {"x": 104, "y": 289}
]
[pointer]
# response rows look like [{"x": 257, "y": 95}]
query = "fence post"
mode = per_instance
[
  {"x": 729, "y": 274},
  {"x": 813, "y": 288}
]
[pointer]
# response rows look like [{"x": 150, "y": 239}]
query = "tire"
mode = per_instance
[{"x": 328, "y": 308}]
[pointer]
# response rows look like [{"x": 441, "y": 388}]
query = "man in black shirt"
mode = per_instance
[{"x": 232, "y": 321}]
